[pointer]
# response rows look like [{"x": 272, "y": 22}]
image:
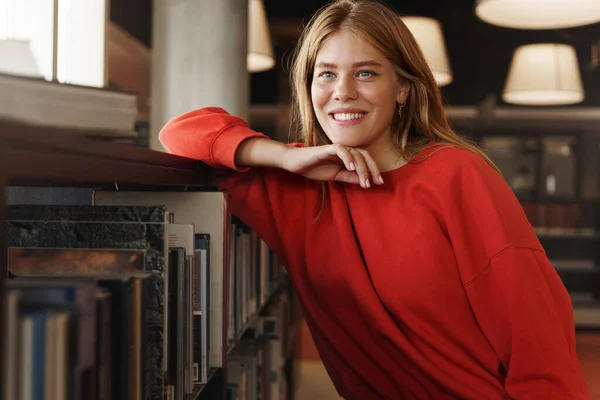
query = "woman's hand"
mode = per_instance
[{"x": 333, "y": 163}]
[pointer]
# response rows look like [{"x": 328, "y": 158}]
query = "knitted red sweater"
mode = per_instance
[{"x": 431, "y": 286}]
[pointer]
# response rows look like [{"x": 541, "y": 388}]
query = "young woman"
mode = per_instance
[{"x": 416, "y": 268}]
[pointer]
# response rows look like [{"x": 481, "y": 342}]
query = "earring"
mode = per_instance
[{"x": 400, "y": 108}]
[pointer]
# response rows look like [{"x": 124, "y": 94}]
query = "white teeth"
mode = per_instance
[{"x": 347, "y": 116}]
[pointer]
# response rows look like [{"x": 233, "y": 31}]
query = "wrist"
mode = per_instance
[{"x": 284, "y": 156}]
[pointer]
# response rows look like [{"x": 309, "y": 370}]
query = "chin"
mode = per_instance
[
  {"x": 344, "y": 139},
  {"x": 347, "y": 141}
]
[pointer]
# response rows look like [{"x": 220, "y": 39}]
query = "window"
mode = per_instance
[{"x": 67, "y": 37}]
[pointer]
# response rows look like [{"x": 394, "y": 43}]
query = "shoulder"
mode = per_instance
[
  {"x": 448, "y": 156},
  {"x": 473, "y": 198},
  {"x": 451, "y": 166}
]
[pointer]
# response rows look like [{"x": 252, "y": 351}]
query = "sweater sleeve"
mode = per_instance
[
  {"x": 524, "y": 310},
  {"x": 209, "y": 134},
  {"x": 515, "y": 293},
  {"x": 269, "y": 200}
]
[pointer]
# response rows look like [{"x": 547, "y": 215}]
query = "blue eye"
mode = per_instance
[
  {"x": 366, "y": 74},
  {"x": 326, "y": 74}
]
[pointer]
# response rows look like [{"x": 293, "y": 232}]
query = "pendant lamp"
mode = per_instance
[
  {"x": 538, "y": 14},
  {"x": 16, "y": 58},
  {"x": 260, "y": 50},
  {"x": 429, "y": 36},
  {"x": 544, "y": 74}
]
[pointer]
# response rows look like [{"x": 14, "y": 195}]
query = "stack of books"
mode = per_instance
[{"x": 124, "y": 299}]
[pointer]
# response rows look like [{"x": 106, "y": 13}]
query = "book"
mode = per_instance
[
  {"x": 208, "y": 212},
  {"x": 40, "y": 298},
  {"x": 94, "y": 230},
  {"x": 201, "y": 307},
  {"x": 182, "y": 236}
]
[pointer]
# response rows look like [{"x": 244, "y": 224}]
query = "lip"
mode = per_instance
[{"x": 347, "y": 111}]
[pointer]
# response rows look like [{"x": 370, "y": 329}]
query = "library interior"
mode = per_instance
[{"x": 102, "y": 221}]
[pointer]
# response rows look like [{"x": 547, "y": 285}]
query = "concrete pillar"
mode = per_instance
[{"x": 199, "y": 58}]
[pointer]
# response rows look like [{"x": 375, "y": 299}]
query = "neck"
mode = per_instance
[{"x": 385, "y": 153}]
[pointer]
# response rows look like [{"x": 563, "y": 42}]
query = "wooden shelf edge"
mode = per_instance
[{"x": 42, "y": 156}]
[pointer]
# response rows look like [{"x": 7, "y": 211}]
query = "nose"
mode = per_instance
[{"x": 345, "y": 89}]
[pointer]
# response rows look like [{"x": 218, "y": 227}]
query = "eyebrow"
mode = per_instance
[{"x": 368, "y": 63}]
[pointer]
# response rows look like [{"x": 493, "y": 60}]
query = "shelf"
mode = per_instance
[
  {"x": 41, "y": 156},
  {"x": 555, "y": 200},
  {"x": 586, "y": 315},
  {"x": 289, "y": 352},
  {"x": 582, "y": 234},
  {"x": 254, "y": 317}
]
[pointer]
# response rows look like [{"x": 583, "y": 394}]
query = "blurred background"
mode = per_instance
[{"x": 521, "y": 78}]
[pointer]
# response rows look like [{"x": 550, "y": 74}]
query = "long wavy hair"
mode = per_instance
[{"x": 423, "y": 119}]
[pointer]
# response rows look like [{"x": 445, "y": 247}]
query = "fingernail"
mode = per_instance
[
  {"x": 380, "y": 179},
  {"x": 367, "y": 183},
  {"x": 351, "y": 166}
]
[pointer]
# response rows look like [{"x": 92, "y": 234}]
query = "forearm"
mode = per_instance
[{"x": 261, "y": 152}]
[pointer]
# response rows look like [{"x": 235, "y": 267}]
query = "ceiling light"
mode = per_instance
[
  {"x": 260, "y": 50},
  {"x": 16, "y": 58},
  {"x": 538, "y": 14},
  {"x": 429, "y": 36},
  {"x": 544, "y": 74}
]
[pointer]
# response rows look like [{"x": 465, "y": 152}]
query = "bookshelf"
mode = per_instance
[
  {"x": 548, "y": 173},
  {"x": 42, "y": 157}
]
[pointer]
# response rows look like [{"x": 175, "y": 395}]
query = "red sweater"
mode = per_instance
[{"x": 431, "y": 286}]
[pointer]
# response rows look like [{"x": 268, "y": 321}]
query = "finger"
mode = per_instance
[
  {"x": 344, "y": 154},
  {"x": 347, "y": 177},
  {"x": 361, "y": 168},
  {"x": 372, "y": 166}
]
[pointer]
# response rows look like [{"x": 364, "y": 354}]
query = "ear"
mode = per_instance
[{"x": 403, "y": 91}]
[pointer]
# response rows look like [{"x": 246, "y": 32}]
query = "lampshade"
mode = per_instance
[
  {"x": 429, "y": 36},
  {"x": 260, "y": 50},
  {"x": 538, "y": 14},
  {"x": 544, "y": 74},
  {"x": 16, "y": 58}
]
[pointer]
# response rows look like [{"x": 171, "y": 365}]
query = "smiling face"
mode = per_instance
[{"x": 355, "y": 92}]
